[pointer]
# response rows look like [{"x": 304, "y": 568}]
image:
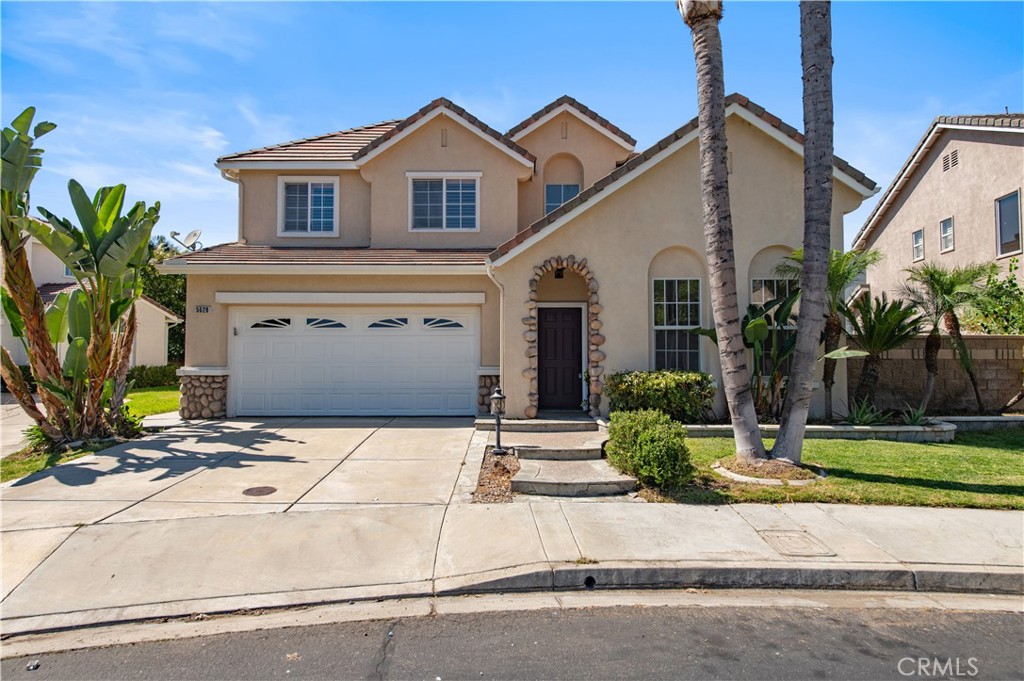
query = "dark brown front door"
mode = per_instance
[{"x": 559, "y": 357}]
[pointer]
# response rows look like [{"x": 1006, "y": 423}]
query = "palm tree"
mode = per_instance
[
  {"x": 702, "y": 16},
  {"x": 879, "y": 326},
  {"x": 816, "y": 58},
  {"x": 843, "y": 271},
  {"x": 940, "y": 294}
]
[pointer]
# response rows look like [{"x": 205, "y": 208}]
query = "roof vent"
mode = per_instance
[
  {"x": 945, "y": 163},
  {"x": 954, "y": 158}
]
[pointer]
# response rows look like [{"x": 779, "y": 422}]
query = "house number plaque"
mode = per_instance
[{"x": 202, "y": 309}]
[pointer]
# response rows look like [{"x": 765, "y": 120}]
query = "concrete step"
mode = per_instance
[
  {"x": 558, "y": 453},
  {"x": 584, "y": 423},
  {"x": 570, "y": 479}
]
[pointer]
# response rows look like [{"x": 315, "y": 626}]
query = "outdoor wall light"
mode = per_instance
[{"x": 498, "y": 409}]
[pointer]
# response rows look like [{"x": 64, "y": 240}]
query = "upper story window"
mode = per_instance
[
  {"x": 1008, "y": 224},
  {"x": 307, "y": 206},
  {"x": 917, "y": 241},
  {"x": 444, "y": 201},
  {"x": 946, "y": 235},
  {"x": 557, "y": 194},
  {"x": 67, "y": 272}
]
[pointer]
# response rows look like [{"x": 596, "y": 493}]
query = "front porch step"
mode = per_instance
[
  {"x": 540, "y": 425},
  {"x": 571, "y": 446},
  {"x": 590, "y": 478}
]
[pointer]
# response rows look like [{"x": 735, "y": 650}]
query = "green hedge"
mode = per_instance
[
  {"x": 143, "y": 376},
  {"x": 650, "y": 446},
  {"x": 684, "y": 395}
]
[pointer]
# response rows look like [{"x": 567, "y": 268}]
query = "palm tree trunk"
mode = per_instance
[
  {"x": 42, "y": 356},
  {"x": 703, "y": 18},
  {"x": 833, "y": 332},
  {"x": 119, "y": 374},
  {"x": 931, "y": 362},
  {"x": 816, "y": 56},
  {"x": 964, "y": 355},
  {"x": 19, "y": 389},
  {"x": 869, "y": 374}
]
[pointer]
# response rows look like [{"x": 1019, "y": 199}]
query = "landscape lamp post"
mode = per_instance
[{"x": 498, "y": 409}]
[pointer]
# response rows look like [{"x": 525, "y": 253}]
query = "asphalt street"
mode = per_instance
[{"x": 606, "y": 643}]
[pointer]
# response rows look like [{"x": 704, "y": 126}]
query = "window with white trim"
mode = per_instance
[
  {"x": 1008, "y": 224},
  {"x": 765, "y": 290},
  {"x": 676, "y": 315},
  {"x": 444, "y": 203},
  {"x": 307, "y": 206},
  {"x": 946, "y": 235},
  {"x": 917, "y": 241},
  {"x": 68, "y": 273},
  {"x": 557, "y": 194}
]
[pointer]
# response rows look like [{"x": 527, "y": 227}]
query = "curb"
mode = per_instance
[{"x": 556, "y": 577}]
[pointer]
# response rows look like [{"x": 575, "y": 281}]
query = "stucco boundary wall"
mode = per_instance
[{"x": 998, "y": 363}]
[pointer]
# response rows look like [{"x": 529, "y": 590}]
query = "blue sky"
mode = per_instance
[{"x": 150, "y": 94}]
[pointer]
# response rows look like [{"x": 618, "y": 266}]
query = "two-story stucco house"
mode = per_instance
[
  {"x": 955, "y": 201},
  {"x": 53, "y": 278},
  {"x": 406, "y": 267}
]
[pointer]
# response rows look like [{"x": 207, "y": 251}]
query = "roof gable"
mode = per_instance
[
  {"x": 455, "y": 112},
  {"x": 1009, "y": 122},
  {"x": 564, "y": 104},
  {"x": 737, "y": 105}
]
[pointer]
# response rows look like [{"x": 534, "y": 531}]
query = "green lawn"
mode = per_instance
[
  {"x": 148, "y": 401},
  {"x": 978, "y": 470},
  {"x": 29, "y": 460}
]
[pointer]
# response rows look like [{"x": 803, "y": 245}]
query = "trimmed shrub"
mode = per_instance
[
  {"x": 650, "y": 446},
  {"x": 684, "y": 395},
  {"x": 143, "y": 376}
]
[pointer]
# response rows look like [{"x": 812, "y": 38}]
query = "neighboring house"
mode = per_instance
[
  {"x": 957, "y": 200},
  {"x": 407, "y": 267},
  {"x": 53, "y": 278}
]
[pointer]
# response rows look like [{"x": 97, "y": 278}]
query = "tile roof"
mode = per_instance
[
  {"x": 250, "y": 254},
  {"x": 580, "y": 107},
  {"x": 1007, "y": 120},
  {"x": 49, "y": 293},
  {"x": 335, "y": 146},
  {"x": 996, "y": 121},
  {"x": 443, "y": 102},
  {"x": 646, "y": 155}
]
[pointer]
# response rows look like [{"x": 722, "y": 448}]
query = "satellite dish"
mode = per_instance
[
  {"x": 191, "y": 241},
  {"x": 192, "y": 238}
]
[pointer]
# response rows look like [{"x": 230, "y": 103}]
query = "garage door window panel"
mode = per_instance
[{"x": 276, "y": 323}]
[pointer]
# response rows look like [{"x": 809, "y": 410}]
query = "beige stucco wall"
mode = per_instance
[
  {"x": 422, "y": 151},
  {"x": 594, "y": 152},
  {"x": 150, "y": 336},
  {"x": 624, "y": 239},
  {"x": 258, "y": 196},
  {"x": 206, "y": 343},
  {"x": 991, "y": 165},
  {"x": 46, "y": 267}
]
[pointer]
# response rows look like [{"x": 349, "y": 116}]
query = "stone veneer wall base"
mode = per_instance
[{"x": 203, "y": 397}]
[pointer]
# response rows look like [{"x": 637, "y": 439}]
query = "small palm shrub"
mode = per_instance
[
  {"x": 684, "y": 395},
  {"x": 650, "y": 446}
]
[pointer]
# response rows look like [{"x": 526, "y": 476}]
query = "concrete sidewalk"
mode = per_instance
[{"x": 374, "y": 508}]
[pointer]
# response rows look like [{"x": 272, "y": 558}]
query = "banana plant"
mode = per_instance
[
  {"x": 771, "y": 344},
  {"x": 23, "y": 306},
  {"x": 105, "y": 255}
]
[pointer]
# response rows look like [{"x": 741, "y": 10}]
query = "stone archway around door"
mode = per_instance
[{"x": 595, "y": 356}]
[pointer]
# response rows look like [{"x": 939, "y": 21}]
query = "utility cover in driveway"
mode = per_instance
[{"x": 354, "y": 362}]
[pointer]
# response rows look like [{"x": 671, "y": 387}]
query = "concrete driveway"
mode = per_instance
[
  {"x": 13, "y": 422},
  {"x": 247, "y": 466}
]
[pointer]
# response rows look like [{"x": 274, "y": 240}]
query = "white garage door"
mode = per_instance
[{"x": 352, "y": 361}]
